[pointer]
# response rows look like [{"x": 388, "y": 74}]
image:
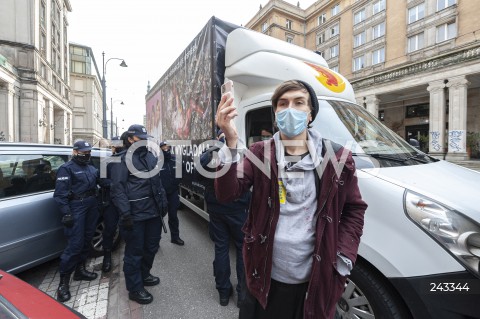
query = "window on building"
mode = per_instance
[
  {"x": 264, "y": 26},
  {"x": 43, "y": 44},
  {"x": 78, "y": 67},
  {"x": 78, "y": 51},
  {"x": 53, "y": 9},
  {"x": 43, "y": 70},
  {"x": 359, "y": 16},
  {"x": 378, "y": 56},
  {"x": 65, "y": 35},
  {"x": 320, "y": 38},
  {"x": 43, "y": 15},
  {"x": 358, "y": 63},
  {"x": 378, "y": 6},
  {"x": 334, "y": 68},
  {"x": 335, "y": 9},
  {"x": 289, "y": 39},
  {"x": 378, "y": 30},
  {"x": 446, "y": 31},
  {"x": 322, "y": 19},
  {"x": 416, "y": 13},
  {"x": 335, "y": 30},
  {"x": 289, "y": 24},
  {"x": 54, "y": 34},
  {"x": 334, "y": 51},
  {"x": 415, "y": 42},
  {"x": 442, "y": 4},
  {"x": 359, "y": 39},
  {"x": 419, "y": 110},
  {"x": 321, "y": 53}
]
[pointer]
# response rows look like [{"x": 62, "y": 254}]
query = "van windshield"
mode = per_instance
[{"x": 358, "y": 130}]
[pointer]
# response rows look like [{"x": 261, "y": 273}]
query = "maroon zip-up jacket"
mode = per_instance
[{"x": 339, "y": 225}]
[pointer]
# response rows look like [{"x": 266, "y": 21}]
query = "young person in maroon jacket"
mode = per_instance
[{"x": 306, "y": 214}]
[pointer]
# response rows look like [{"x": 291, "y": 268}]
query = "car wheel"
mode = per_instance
[
  {"x": 367, "y": 295},
  {"x": 97, "y": 240}
]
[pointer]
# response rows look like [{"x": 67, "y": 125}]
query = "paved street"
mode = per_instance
[{"x": 187, "y": 288}]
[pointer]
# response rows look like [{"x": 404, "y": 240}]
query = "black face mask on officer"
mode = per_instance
[{"x": 82, "y": 158}]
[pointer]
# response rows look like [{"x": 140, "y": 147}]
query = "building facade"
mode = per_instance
[
  {"x": 86, "y": 94},
  {"x": 413, "y": 63},
  {"x": 34, "y": 81}
]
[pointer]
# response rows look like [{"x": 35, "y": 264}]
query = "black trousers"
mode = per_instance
[{"x": 285, "y": 301}]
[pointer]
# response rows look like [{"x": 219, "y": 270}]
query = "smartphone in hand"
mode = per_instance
[{"x": 227, "y": 87}]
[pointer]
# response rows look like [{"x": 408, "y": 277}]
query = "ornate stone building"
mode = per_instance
[
  {"x": 34, "y": 83},
  {"x": 413, "y": 63}
]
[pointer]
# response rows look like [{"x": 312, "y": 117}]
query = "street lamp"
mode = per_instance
[
  {"x": 111, "y": 115},
  {"x": 104, "y": 89}
]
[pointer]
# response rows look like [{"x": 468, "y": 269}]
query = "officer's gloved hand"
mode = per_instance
[
  {"x": 127, "y": 222},
  {"x": 67, "y": 220}
]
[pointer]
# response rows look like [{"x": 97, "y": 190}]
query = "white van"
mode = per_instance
[{"x": 420, "y": 252}]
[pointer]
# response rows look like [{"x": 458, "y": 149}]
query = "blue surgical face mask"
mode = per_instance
[{"x": 291, "y": 122}]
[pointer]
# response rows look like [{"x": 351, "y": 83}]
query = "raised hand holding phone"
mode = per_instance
[
  {"x": 226, "y": 112},
  {"x": 227, "y": 87}
]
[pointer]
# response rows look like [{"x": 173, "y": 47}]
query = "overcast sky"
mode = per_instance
[{"x": 149, "y": 35}]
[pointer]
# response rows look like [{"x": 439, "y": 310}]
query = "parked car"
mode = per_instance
[
  {"x": 30, "y": 229},
  {"x": 20, "y": 300}
]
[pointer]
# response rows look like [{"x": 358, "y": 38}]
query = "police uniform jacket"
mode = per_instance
[
  {"x": 167, "y": 173},
  {"x": 74, "y": 181},
  {"x": 141, "y": 198}
]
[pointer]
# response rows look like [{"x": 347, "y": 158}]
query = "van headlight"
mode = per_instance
[{"x": 455, "y": 232}]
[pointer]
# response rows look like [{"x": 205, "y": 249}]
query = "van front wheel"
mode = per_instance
[{"x": 368, "y": 296}]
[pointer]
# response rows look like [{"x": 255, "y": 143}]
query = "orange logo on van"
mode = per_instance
[{"x": 328, "y": 78}]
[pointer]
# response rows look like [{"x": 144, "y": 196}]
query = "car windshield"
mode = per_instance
[{"x": 358, "y": 130}]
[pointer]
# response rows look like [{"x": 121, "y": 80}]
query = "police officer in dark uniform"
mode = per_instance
[
  {"x": 225, "y": 225},
  {"x": 110, "y": 212},
  {"x": 138, "y": 194},
  {"x": 170, "y": 184},
  {"x": 75, "y": 194}
]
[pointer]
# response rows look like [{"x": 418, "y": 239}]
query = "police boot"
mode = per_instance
[
  {"x": 107, "y": 261},
  {"x": 83, "y": 274},
  {"x": 63, "y": 291}
]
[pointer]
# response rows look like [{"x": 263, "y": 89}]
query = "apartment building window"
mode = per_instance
[
  {"x": 334, "y": 68},
  {"x": 378, "y": 30},
  {"x": 320, "y": 38},
  {"x": 335, "y": 30},
  {"x": 359, "y": 39},
  {"x": 289, "y": 24},
  {"x": 43, "y": 15},
  {"x": 264, "y": 26},
  {"x": 358, "y": 63},
  {"x": 43, "y": 44},
  {"x": 416, "y": 13},
  {"x": 442, "y": 4},
  {"x": 359, "y": 16},
  {"x": 334, "y": 51},
  {"x": 378, "y": 56},
  {"x": 320, "y": 53},
  {"x": 289, "y": 39},
  {"x": 53, "y": 10},
  {"x": 415, "y": 42},
  {"x": 322, "y": 19},
  {"x": 446, "y": 31},
  {"x": 378, "y": 6},
  {"x": 43, "y": 70},
  {"x": 335, "y": 9}
]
